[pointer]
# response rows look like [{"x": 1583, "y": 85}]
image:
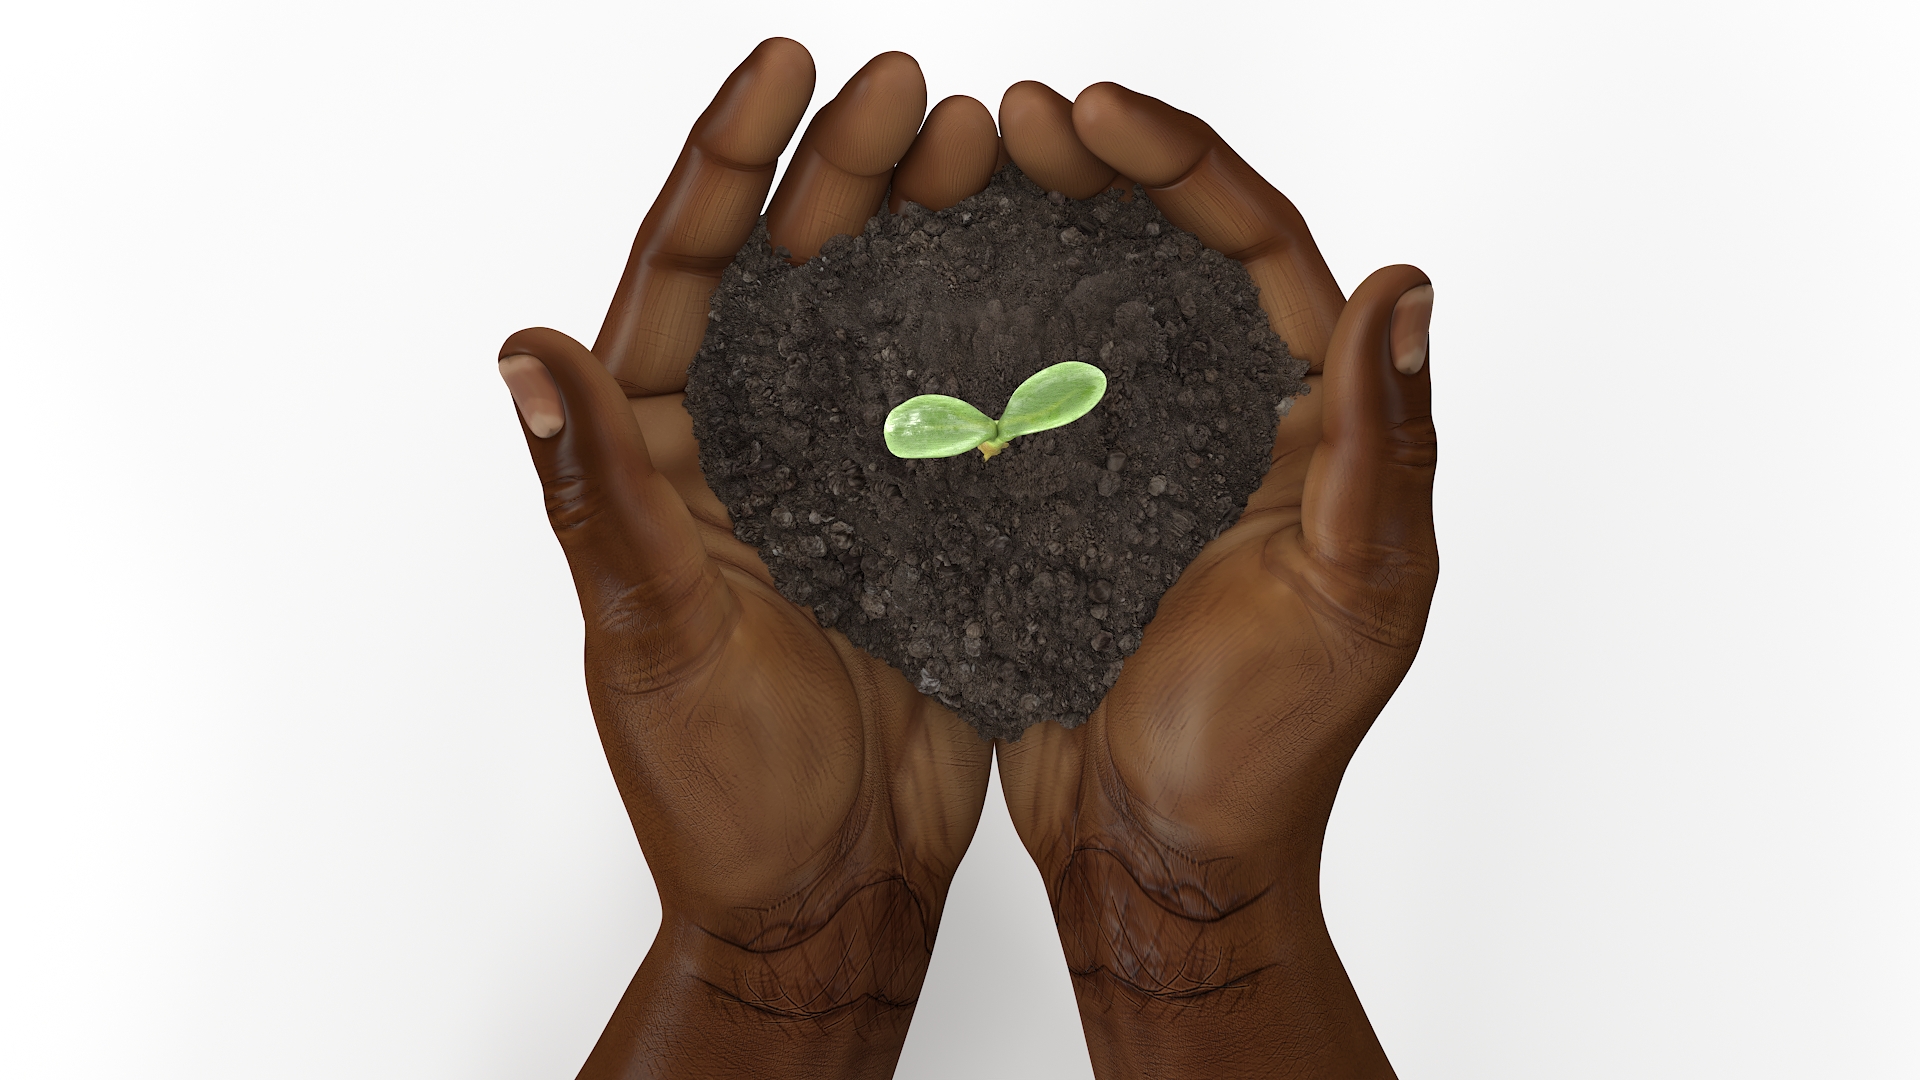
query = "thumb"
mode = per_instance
[
  {"x": 1368, "y": 502},
  {"x": 637, "y": 559}
]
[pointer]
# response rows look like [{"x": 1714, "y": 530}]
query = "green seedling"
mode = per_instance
[{"x": 935, "y": 425}]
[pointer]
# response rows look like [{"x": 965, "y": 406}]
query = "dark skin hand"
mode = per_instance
[
  {"x": 802, "y": 809},
  {"x": 1179, "y": 829}
]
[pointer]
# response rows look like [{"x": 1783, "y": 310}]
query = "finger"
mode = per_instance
[
  {"x": 533, "y": 394},
  {"x": 636, "y": 557},
  {"x": 1369, "y": 490},
  {"x": 1202, "y": 186},
  {"x": 841, "y": 169},
  {"x": 1407, "y": 339},
  {"x": 668, "y": 428},
  {"x": 1038, "y": 126},
  {"x": 951, "y": 159},
  {"x": 704, "y": 213}
]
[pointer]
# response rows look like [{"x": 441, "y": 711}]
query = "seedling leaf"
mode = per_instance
[
  {"x": 1051, "y": 397},
  {"x": 935, "y": 425}
]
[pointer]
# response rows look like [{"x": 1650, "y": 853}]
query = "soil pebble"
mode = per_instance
[{"x": 1011, "y": 589}]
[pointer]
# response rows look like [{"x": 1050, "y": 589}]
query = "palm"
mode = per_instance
[
  {"x": 1223, "y": 705},
  {"x": 801, "y": 807},
  {"x": 739, "y": 773},
  {"x": 1178, "y": 830}
]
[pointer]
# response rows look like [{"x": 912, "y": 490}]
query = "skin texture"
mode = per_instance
[
  {"x": 1037, "y": 124},
  {"x": 955, "y": 155},
  {"x": 1179, "y": 829},
  {"x": 802, "y": 809}
]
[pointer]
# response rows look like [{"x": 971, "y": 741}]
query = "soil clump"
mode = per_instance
[{"x": 1011, "y": 589}]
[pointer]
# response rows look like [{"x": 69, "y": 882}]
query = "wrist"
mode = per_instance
[
  {"x": 1188, "y": 968},
  {"x": 780, "y": 991},
  {"x": 1273, "y": 1008}
]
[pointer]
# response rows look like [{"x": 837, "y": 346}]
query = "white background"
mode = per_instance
[{"x": 298, "y": 778}]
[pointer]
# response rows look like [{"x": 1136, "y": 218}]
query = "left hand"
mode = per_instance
[{"x": 801, "y": 806}]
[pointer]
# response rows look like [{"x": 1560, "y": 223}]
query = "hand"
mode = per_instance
[
  {"x": 801, "y": 806},
  {"x": 1179, "y": 829}
]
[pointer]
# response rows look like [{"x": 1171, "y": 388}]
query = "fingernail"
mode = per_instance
[
  {"x": 533, "y": 393},
  {"x": 1408, "y": 337}
]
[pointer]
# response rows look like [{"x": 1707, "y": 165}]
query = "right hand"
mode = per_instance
[
  {"x": 1178, "y": 830},
  {"x": 801, "y": 806}
]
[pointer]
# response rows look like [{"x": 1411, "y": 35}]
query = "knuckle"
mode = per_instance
[
  {"x": 1378, "y": 593},
  {"x": 1413, "y": 443},
  {"x": 572, "y": 501}
]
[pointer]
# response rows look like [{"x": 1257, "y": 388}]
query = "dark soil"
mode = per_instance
[{"x": 1010, "y": 589}]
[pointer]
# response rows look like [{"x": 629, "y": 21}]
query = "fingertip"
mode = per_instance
[
  {"x": 787, "y": 64},
  {"x": 784, "y": 61},
  {"x": 869, "y": 125},
  {"x": 952, "y": 158},
  {"x": 1140, "y": 136},
  {"x": 570, "y": 367},
  {"x": 968, "y": 110},
  {"x": 895, "y": 76},
  {"x": 754, "y": 115},
  {"x": 785, "y": 53},
  {"x": 1377, "y": 357},
  {"x": 1367, "y": 323},
  {"x": 532, "y": 341},
  {"x": 1100, "y": 99},
  {"x": 893, "y": 60},
  {"x": 1019, "y": 94},
  {"x": 1037, "y": 126},
  {"x": 839, "y": 174},
  {"x": 1407, "y": 333},
  {"x": 534, "y": 394},
  {"x": 1370, "y": 486},
  {"x": 587, "y": 403}
]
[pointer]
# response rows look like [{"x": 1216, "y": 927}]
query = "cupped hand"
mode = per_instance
[
  {"x": 1179, "y": 829},
  {"x": 801, "y": 807}
]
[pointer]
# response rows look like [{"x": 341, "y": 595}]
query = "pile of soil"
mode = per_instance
[{"x": 1011, "y": 589}]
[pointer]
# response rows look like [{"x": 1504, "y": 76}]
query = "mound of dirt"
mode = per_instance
[{"x": 1011, "y": 589}]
